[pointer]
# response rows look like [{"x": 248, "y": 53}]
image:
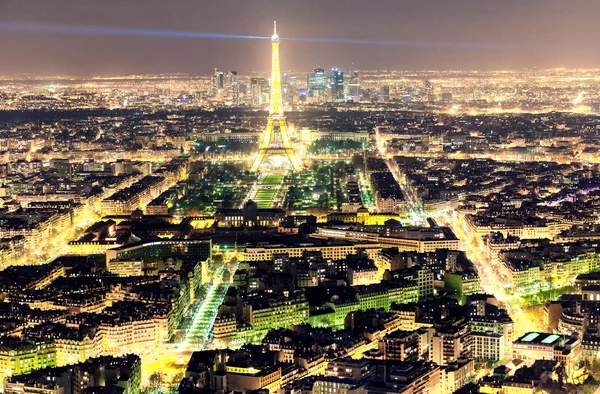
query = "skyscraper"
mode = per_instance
[
  {"x": 284, "y": 84},
  {"x": 353, "y": 87},
  {"x": 217, "y": 82},
  {"x": 384, "y": 94},
  {"x": 259, "y": 91},
  {"x": 233, "y": 91},
  {"x": 232, "y": 77},
  {"x": 289, "y": 89},
  {"x": 317, "y": 84},
  {"x": 429, "y": 95},
  {"x": 337, "y": 85},
  {"x": 290, "y": 85}
]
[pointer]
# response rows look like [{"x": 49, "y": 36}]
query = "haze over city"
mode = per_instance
[{"x": 464, "y": 34}]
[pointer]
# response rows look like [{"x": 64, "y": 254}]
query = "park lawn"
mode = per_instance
[
  {"x": 264, "y": 197},
  {"x": 272, "y": 180}
]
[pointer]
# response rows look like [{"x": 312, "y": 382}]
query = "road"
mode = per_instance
[
  {"x": 198, "y": 336},
  {"x": 56, "y": 245},
  {"x": 170, "y": 360},
  {"x": 413, "y": 204},
  {"x": 493, "y": 277},
  {"x": 366, "y": 194}
]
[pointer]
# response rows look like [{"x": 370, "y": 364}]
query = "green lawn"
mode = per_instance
[
  {"x": 264, "y": 197},
  {"x": 272, "y": 180}
]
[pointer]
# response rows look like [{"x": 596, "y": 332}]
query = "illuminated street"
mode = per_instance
[
  {"x": 198, "y": 337},
  {"x": 493, "y": 279},
  {"x": 171, "y": 359}
]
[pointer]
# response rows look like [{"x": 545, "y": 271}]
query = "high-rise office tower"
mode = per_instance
[
  {"x": 253, "y": 91},
  {"x": 353, "y": 87},
  {"x": 337, "y": 85},
  {"x": 233, "y": 88},
  {"x": 289, "y": 88},
  {"x": 259, "y": 91},
  {"x": 284, "y": 84},
  {"x": 429, "y": 95},
  {"x": 217, "y": 82},
  {"x": 292, "y": 82},
  {"x": 384, "y": 94},
  {"x": 317, "y": 84},
  {"x": 232, "y": 77}
]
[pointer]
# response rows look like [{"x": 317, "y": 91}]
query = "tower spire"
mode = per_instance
[{"x": 274, "y": 37}]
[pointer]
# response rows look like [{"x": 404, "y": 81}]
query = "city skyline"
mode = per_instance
[
  {"x": 396, "y": 35},
  {"x": 336, "y": 230}
]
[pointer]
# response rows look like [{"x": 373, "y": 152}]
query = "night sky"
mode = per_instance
[{"x": 461, "y": 34}]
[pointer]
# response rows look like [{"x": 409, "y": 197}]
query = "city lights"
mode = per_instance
[{"x": 328, "y": 229}]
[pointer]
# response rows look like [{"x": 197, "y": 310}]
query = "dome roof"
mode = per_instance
[{"x": 250, "y": 204}]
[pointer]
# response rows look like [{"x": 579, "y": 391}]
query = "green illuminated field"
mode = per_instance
[
  {"x": 267, "y": 191},
  {"x": 264, "y": 197},
  {"x": 272, "y": 180}
]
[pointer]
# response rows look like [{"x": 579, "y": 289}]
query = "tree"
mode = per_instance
[
  {"x": 156, "y": 380},
  {"x": 176, "y": 380},
  {"x": 323, "y": 201}
]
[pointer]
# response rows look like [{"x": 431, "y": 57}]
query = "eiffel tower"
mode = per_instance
[{"x": 269, "y": 144}]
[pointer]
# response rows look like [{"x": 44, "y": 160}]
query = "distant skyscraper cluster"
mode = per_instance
[
  {"x": 324, "y": 87},
  {"x": 321, "y": 87},
  {"x": 259, "y": 90},
  {"x": 227, "y": 87}
]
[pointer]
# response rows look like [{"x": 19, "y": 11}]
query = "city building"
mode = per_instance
[
  {"x": 337, "y": 85},
  {"x": 353, "y": 87},
  {"x": 317, "y": 85},
  {"x": 543, "y": 346},
  {"x": 93, "y": 375}
]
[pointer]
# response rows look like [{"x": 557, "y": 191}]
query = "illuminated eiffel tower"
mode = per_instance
[{"x": 275, "y": 140}]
